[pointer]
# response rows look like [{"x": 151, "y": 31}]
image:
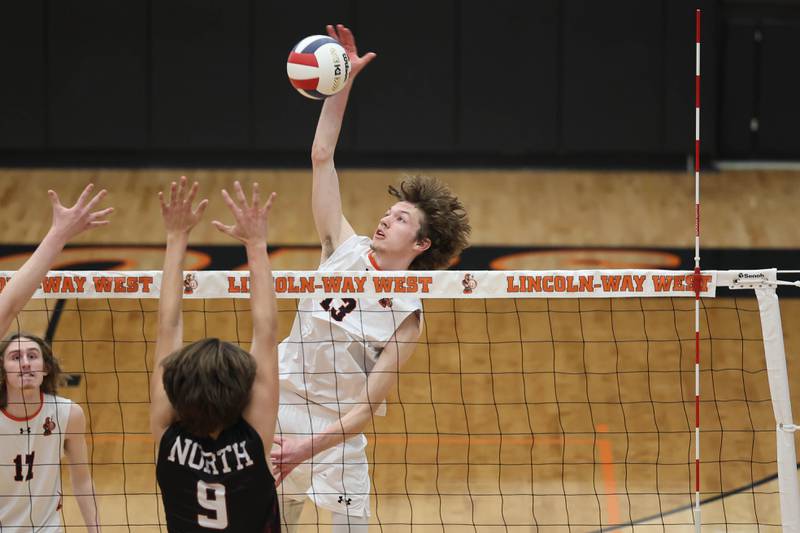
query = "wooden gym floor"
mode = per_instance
[{"x": 531, "y": 379}]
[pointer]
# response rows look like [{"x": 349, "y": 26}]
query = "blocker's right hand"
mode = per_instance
[
  {"x": 179, "y": 217},
  {"x": 345, "y": 37},
  {"x": 251, "y": 218},
  {"x": 71, "y": 221}
]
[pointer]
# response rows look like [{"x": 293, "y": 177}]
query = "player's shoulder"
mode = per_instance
[
  {"x": 171, "y": 432},
  {"x": 62, "y": 404},
  {"x": 73, "y": 412}
]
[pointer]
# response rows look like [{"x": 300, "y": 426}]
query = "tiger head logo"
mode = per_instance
[{"x": 48, "y": 426}]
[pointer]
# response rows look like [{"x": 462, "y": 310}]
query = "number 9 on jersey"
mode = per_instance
[{"x": 216, "y": 504}]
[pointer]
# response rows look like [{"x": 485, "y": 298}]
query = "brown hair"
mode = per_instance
[
  {"x": 208, "y": 383},
  {"x": 444, "y": 222},
  {"x": 50, "y": 382}
]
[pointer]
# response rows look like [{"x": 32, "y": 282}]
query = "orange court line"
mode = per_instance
[{"x": 609, "y": 481}]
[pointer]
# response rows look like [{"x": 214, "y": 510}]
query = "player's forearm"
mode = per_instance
[
  {"x": 263, "y": 306},
  {"x": 326, "y": 203},
  {"x": 382, "y": 379},
  {"x": 329, "y": 126},
  {"x": 169, "y": 304},
  {"x": 350, "y": 425},
  {"x": 87, "y": 502},
  {"x": 88, "y": 508},
  {"x": 25, "y": 282}
]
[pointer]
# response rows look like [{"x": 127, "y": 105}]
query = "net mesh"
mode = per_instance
[{"x": 512, "y": 415}]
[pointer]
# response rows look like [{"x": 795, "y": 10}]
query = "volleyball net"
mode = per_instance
[{"x": 548, "y": 401}]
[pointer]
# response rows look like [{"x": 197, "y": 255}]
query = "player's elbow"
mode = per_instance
[
  {"x": 267, "y": 325},
  {"x": 267, "y": 334},
  {"x": 367, "y": 410},
  {"x": 321, "y": 154},
  {"x": 168, "y": 326},
  {"x": 81, "y": 481},
  {"x": 271, "y": 336}
]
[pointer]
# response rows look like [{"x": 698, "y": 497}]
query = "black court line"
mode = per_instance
[
  {"x": 52, "y": 324},
  {"x": 641, "y": 521},
  {"x": 70, "y": 380}
]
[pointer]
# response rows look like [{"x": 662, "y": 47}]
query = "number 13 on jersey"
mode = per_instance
[{"x": 211, "y": 496}]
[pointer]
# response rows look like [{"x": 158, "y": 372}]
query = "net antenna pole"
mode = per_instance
[{"x": 697, "y": 276}]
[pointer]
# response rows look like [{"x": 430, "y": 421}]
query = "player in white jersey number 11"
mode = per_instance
[{"x": 37, "y": 427}]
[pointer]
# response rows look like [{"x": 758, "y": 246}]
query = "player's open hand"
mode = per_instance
[
  {"x": 288, "y": 455},
  {"x": 251, "y": 217},
  {"x": 345, "y": 37},
  {"x": 69, "y": 222},
  {"x": 179, "y": 216}
]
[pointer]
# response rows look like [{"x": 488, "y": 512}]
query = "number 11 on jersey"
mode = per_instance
[{"x": 215, "y": 504}]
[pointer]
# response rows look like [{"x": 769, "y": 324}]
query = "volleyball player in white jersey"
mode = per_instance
[
  {"x": 36, "y": 425},
  {"x": 342, "y": 356}
]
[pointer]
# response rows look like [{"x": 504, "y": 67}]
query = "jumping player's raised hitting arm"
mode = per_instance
[
  {"x": 250, "y": 227},
  {"x": 332, "y": 227},
  {"x": 67, "y": 224},
  {"x": 179, "y": 219},
  {"x": 293, "y": 451}
]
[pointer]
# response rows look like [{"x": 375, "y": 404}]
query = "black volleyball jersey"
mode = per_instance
[{"x": 221, "y": 484}]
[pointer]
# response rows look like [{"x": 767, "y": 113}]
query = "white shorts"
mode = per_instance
[{"x": 336, "y": 479}]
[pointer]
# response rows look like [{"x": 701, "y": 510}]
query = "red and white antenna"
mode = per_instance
[{"x": 697, "y": 276}]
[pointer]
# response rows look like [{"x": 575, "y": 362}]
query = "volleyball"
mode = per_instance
[{"x": 318, "y": 67}]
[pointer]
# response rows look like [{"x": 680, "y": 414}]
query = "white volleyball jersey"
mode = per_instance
[
  {"x": 30, "y": 467},
  {"x": 335, "y": 342}
]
